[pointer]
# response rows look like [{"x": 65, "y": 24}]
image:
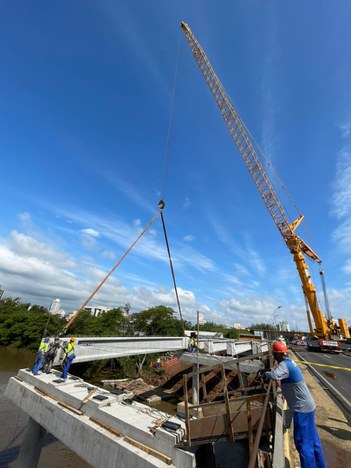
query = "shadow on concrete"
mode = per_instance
[
  {"x": 10, "y": 454},
  {"x": 339, "y": 433}
]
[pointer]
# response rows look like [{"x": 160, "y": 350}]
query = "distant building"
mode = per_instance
[
  {"x": 95, "y": 311},
  {"x": 284, "y": 326},
  {"x": 237, "y": 326}
]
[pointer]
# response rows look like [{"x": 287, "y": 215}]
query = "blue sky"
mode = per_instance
[{"x": 89, "y": 91}]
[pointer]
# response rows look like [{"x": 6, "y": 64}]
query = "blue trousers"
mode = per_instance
[
  {"x": 38, "y": 363},
  {"x": 307, "y": 441},
  {"x": 67, "y": 363}
]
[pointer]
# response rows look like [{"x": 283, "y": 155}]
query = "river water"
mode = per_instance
[{"x": 13, "y": 421}]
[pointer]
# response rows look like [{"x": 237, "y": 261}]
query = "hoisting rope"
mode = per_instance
[
  {"x": 111, "y": 271},
  {"x": 172, "y": 271},
  {"x": 165, "y": 178},
  {"x": 170, "y": 126}
]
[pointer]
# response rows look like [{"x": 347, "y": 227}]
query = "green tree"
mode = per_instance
[
  {"x": 23, "y": 325},
  {"x": 262, "y": 326},
  {"x": 156, "y": 321}
]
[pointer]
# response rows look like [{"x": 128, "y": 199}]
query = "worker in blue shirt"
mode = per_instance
[
  {"x": 300, "y": 401},
  {"x": 43, "y": 348}
]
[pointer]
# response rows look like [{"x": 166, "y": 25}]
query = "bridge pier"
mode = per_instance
[{"x": 31, "y": 446}]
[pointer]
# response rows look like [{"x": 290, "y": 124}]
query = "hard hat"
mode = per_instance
[
  {"x": 279, "y": 347},
  {"x": 72, "y": 339}
]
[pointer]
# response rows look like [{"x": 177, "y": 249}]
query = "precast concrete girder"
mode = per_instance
[
  {"x": 104, "y": 432},
  {"x": 98, "y": 348}
]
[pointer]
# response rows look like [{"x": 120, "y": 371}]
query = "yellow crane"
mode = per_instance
[{"x": 325, "y": 330}]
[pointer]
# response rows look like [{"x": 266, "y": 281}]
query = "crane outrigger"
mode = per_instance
[{"x": 325, "y": 334}]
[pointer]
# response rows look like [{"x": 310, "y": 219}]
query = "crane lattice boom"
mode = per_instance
[{"x": 246, "y": 146}]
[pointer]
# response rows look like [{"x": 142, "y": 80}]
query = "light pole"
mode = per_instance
[{"x": 275, "y": 313}]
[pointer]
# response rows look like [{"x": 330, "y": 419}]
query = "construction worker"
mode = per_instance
[
  {"x": 300, "y": 401},
  {"x": 192, "y": 345},
  {"x": 43, "y": 348},
  {"x": 70, "y": 355},
  {"x": 50, "y": 355}
]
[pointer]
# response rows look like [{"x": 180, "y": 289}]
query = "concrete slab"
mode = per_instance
[{"x": 104, "y": 433}]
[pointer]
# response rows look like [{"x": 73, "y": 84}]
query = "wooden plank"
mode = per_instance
[
  {"x": 90, "y": 394},
  {"x": 249, "y": 424},
  {"x": 204, "y": 389},
  {"x": 149, "y": 450},
  {"x": 59, "y": 402},
  {"x": 70, "y": 408},
  {"x": 229, "y": 416},
  {"x": 106, "y": 427},
  {"x": 187, "y": 416},
  {"x": 221, "y": 408},
  {"x": 217, "y": 425}
]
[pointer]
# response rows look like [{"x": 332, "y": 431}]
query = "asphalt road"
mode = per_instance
[{"x": 337, "y": 378}]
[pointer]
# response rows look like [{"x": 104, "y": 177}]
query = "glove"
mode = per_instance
[{"x": 262, "y": 373}]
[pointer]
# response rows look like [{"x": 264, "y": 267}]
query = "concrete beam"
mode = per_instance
[
  {"x": 236, "y": 348},
  {"x": 94, "y": 349},
  {"x": 105, "y": 433},
  {"x": 97, "y": 348}
]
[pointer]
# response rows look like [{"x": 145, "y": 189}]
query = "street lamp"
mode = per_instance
[{"x": 275, "y": 313}]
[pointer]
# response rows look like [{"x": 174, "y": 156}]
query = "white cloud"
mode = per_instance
[
  {"x": 186, "y": 203},
  {"x": 188, "y": 238},
  {"x": 132, "y": 37},
  {"x": 90, "y": 232},
  {"x": 108, "y": 254},
  {"x": 345, "y": 128},
  {"x": 25, "y": 217},
  {"x": 342, "y": 236},
  {"x": 341, "y": 200}
]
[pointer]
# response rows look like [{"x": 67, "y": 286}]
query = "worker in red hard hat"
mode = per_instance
[{"x": 300, "y": 401}]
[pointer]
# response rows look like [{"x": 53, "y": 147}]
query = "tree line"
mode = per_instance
[{"x": 22, "y": 324}]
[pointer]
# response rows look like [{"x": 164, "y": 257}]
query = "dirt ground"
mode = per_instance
[{"x": 333, "y": 428}]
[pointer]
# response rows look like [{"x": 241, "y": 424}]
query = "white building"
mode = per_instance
[
  {"x": 95, "y": 311},
  {"x": 284, "y": 326},
  {"x": 237, "y": 326}
]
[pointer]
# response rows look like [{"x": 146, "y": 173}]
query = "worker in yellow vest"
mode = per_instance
[
  {"x": 70, "y": 351},
  {"x": 43, "y": 348}
]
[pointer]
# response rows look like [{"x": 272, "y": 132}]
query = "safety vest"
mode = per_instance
[
  {"x": 44, "y": 346},
  {"x": 71, "y": 347}
]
